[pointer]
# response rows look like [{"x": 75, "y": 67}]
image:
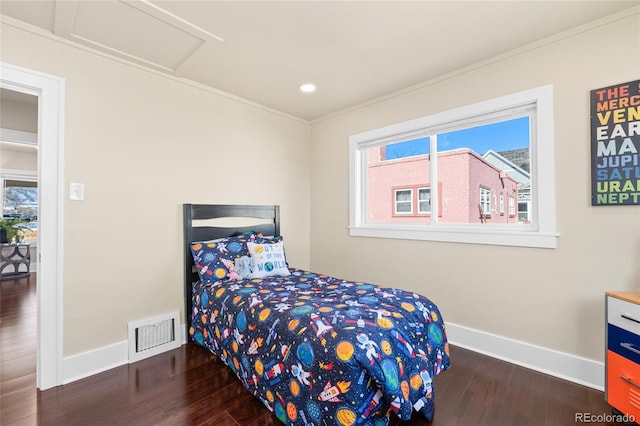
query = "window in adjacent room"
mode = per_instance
[
  {"x": 20, "y": 200},
  {"x": 478, "y": 155}
]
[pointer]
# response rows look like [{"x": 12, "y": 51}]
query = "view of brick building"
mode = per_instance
[{"x": 471, "y": 189}]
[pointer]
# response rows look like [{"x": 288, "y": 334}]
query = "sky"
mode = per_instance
[{"x": 502, "y": 136}]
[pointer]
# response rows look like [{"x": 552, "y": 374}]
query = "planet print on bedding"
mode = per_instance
[{"x": 318, "y": 350}]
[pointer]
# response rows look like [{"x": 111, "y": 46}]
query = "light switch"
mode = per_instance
[{"x": 76, "y": 191}]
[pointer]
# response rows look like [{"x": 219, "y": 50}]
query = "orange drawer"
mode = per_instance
[{"x": 623, "y": 384}]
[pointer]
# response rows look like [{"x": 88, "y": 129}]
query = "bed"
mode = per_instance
[{"x": 315, "y": 349}]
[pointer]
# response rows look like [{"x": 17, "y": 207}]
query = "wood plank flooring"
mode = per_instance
[{"x": 189, "y": 386}]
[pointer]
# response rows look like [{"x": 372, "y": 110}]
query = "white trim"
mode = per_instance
[
  {"x": 16, "y": 174},
  {"x": 18, "y": 136},
  {"x": 395, "y": 201},
  {"x": 50, "y": 91},
  {"x": 149, "y": 352},
  {"x": 183, "y": 334},
  {"x": 566, "y": 366},
  {"x": 455, "y": 235},
  {"x": 541, "y": 234},
  {"x": 548, "y": 361},
  {"x": 96, "y": 361}
]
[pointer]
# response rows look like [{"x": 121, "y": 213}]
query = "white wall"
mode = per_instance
[
  {"x": 17, "y": 115},
  {"x": 548, "y": 298},
  {"x": 17, "y": 159},
  {"x": 143, "y": 144}
]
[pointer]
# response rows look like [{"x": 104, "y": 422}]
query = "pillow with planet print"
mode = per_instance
[
  {"x": 215, "y": 259},
  {"x": 268, "y": 259}
]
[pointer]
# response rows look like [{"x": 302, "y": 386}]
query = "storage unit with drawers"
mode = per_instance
[{"x": 622, "y": 361}]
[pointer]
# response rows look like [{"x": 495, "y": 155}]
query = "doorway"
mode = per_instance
[
  {"x": 49, "y": 91},
  {"x": 19, "y": 168}
]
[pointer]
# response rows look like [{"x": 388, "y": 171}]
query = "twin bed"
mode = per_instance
[{"x": 315, "y": 349}]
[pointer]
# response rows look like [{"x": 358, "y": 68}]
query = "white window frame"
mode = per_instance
[
  {"x": 420, "y": 211},
  {"x": 541, "y": 233},
  {"x": 512, "y": 206},
  {"x": 395, "y": 202},
  {"x": 485, "y": 201},
  {"x": 528, "y": 210}
]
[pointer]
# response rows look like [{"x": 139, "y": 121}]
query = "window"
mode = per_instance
[
  {"x": 477, "y": 155},
  {"x": 408, "y": 204},
  {"x": 20, "y": 200},
  {"x": 523, "y": 212},
  {"x": 424, "y": 200},
  {"x": 404, "y": 201},
  {"x": 485, "y": 204}
]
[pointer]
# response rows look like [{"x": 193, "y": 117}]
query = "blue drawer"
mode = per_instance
[{"x": 623, "y": 343}]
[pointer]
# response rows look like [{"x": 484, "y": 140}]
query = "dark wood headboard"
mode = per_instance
[{"x": 194, "y": 232}]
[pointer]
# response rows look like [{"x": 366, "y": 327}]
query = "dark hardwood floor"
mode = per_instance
[{"x": 189, "y": 386}]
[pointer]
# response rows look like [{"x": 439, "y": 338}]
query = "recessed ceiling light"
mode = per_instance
[{"x": 308, "y": 88}]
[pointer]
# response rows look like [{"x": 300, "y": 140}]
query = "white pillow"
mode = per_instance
[{"x": 267, "y": 259}]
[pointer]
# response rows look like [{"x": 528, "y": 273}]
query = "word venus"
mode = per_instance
[{"x": 615, "y": 145}]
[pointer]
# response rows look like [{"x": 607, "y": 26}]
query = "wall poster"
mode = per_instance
[{"x": 615, "y": 145}]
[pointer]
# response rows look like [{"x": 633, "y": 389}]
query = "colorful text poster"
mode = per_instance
[{"x": 615, "y": 145}]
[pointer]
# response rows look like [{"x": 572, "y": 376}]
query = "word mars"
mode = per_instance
[{"x": 615, "y": 144}]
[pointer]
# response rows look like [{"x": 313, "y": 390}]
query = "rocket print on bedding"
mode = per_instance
[{"x": 318, "y": 350}]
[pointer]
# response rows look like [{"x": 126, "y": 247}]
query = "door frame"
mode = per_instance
[{"x": 50, "y": 91}]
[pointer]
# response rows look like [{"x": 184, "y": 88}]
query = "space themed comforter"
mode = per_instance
[{"x": 318, "y": 350}]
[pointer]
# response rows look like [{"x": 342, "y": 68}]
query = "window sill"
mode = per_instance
[{"x": 490, "y": 236}]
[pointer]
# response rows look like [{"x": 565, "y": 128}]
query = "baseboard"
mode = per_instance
[
  {"x": 576, "y": 369},
  {"x": 96, "y": 361},
  {"x": 558, "y": 364}
]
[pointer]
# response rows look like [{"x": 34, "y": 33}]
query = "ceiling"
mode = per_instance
[{"x": 353, "y": 51}]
